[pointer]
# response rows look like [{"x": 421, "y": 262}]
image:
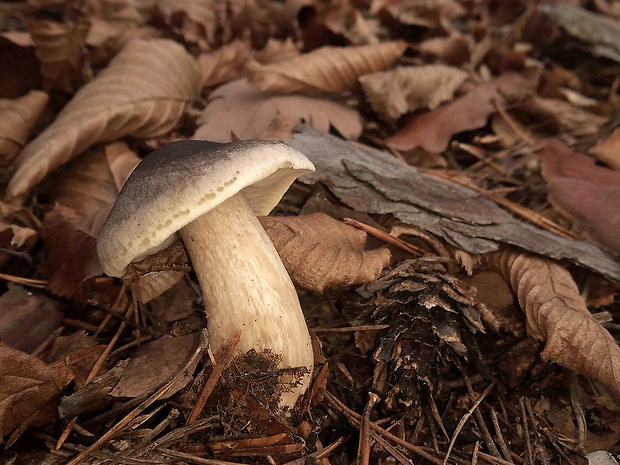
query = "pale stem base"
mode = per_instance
[{"x": 246, "y": 287}]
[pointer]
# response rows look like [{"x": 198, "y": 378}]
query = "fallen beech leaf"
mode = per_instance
[
  {"x": 557, "y": 314},
  {"x": 419, "y": 13},
  {"x": 60, "y": 48},
  {"x": 81, "y": 352},
  {"x": 276, "y": 50},
  {"x": 197, "y": 22},
  {"x": 150, "y": 286},
  {"x": 90, "y": 184},
  {"x": 27, "y": 319},
  {"x": 28, "y": 387},
  {"x": 608, "y": 150},
  {"x": 454, "y": 50},
  {"x": 17, "y": 118},
  {"x": 238, "y": 110},
  {"x": 71, "y": 256},
  {"x": 16, "y": 239},
  {"x": 328, "y": 69},
  {"x": 433, "y": 130},
  {"x": 563, "y": 116},
  {"x": 142, "y": 93},
  {"x": 320, "y": 252},
  {"x": 224, "y": 64},
  {"x": 587, "y": 193},
  {"x": 155, "y": 363},
  {"x": 401, "y": 90}
]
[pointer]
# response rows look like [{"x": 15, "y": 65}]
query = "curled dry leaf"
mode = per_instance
[
  {"x": 328, "y": 69},
  {"x": 143, "y": 93},
  {"x": 60, "y": 48},
  {"x": 320, "y": 252},
  {"x": 557, "y": 314},
  {"x": 427, "y": 13},
  {"x": 433, "y": 130},
  {"x": 238, "y": 110},
  {"x": 587, "y": 193},
  {"x": 17, "y": 118},
  {"x": 401, "y": 90},
  {"x": 90, "y": 184},
  {"x": 197, "y": 22},
  {"x": 224, "y": 64},
  {"x": 28, "y": 388},
  {"x": 563, "y": 116}
]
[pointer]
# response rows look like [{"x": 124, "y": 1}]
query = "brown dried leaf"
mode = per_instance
[
  {"x": 17, "y": 118},
  {"x": 328, "y": 69},
  {"x": 155, "y": 363},
  {"x": 15, "y": 239},
  {"x": 224, "y": 64},
  {"x": 557, "y": 314},
  {"x": 90, "y": 184},
  {"x": 238, "y": 110},
  {"x": 428, "y": 13},
  {"x": 197, "y": 22},
  {"x": 401, "y": 90},
  {"x": 587, "y": 193},
  {"x": 27, "y": 319},
  {"x": 142, "y": 93},
  {"x": 71, "y": 257},
  {"x": 433, "y": 130},
  {"x": 562, "y": 116},
  {"x": 608, "y": 150},
  {"x": 60, "y": 48},
  {"x": 320, "y": 252},
  {"x": 453, "y": 50},
  {"x": 28, "y": 387}
]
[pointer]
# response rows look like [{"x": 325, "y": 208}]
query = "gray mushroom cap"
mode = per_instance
[{"x": 182, "y": 181}]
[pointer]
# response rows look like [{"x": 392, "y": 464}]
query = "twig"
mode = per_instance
[
  {"x": 514, "y": 125},
  {"x": 356, "y": 418},
  {"x": 350, "y": 329},
  {"x": 529, "y": 460},
  {"x": 578, "y": 411},
  {"x": 500, "y": 437},
  {"x": 193, "y": 459},
  {"x": 474, "y": 455},
  {"x": 463, "y": 420},
  {"x": 385, "y": 237},
  {"x": 118, "y": 427},
  {"x": 40, "y": 283},
  {"x": 363, "y": 451}
]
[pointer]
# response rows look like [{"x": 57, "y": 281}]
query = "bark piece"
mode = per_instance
[
  {"x": 328, "y": 69},
  {"x": 320, "y": 252},
  {"x": 375, "y": 182},
  {"x": 143, "y": 93},
  {"x": 557, "y": 314}
]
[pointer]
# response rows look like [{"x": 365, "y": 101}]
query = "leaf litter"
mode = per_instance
[{"x": 454, "y": 368}]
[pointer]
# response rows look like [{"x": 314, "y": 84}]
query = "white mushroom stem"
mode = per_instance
[{"x": 246, "y": 287}]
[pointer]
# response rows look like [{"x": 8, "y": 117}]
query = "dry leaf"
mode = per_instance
[
  {"x": 153, "y": 364},
  {"x": 197, "y": 22},
  {"x": 320, "y": 252},
  {"x": 60, "y": 48},
  {"x": 433, "y": 130},
  {"x": 587, "y": 193},
  {"x": 401, "y": 90},
  {"x": 143, "y": 93},
  {"x": 557, "y": 314},
  {"x": 28, "y": 388},
  {"x": 27, "y": 319},
  {"x": 608, "y": 150},
  {"x": 454, "y": 50},
  {"x": 150, "y": 286},
  {"x": 90, "y": 184},
  {"x": 328, "y": 69},
  {"x": 276, "y": 50},
  {"x": 224, "y": 64},
  {"x": 562, "y": 116},
  {"x": 427, "y": 13},
  {"x": 17, "y": 118},
  {"x": 71, "y": 256},
  {"x": 238, "y": 110},
  {"x": 15, "y": 239}
]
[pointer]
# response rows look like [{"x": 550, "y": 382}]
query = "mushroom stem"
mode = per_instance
[{"x": 246, "y": 287}]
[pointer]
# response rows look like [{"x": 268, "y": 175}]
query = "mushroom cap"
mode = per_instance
[{"x": 182, "y": 181}]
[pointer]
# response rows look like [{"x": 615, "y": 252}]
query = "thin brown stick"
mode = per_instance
[
  {"x": 385, "y": 237},
  {"x": 464, "y": 419},
  {"x": 350, "y": 329},
  {"x": 356, "y": 419},
  {"x": 66, "y": 432},
  {"x": 40, "y": 283},
  {"x": 529, "y": 458},
  {"x": 122, "y": 424},
  {"x": 500, "y": 437},
  {"x": 514, "y": 125},
  {"x": 216, "y": 373},
  {"x": 363, "y": 451},
  {"x": 488, "y": 440}
]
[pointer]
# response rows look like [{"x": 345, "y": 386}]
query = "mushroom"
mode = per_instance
[{"x": 210, "y": 193}]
